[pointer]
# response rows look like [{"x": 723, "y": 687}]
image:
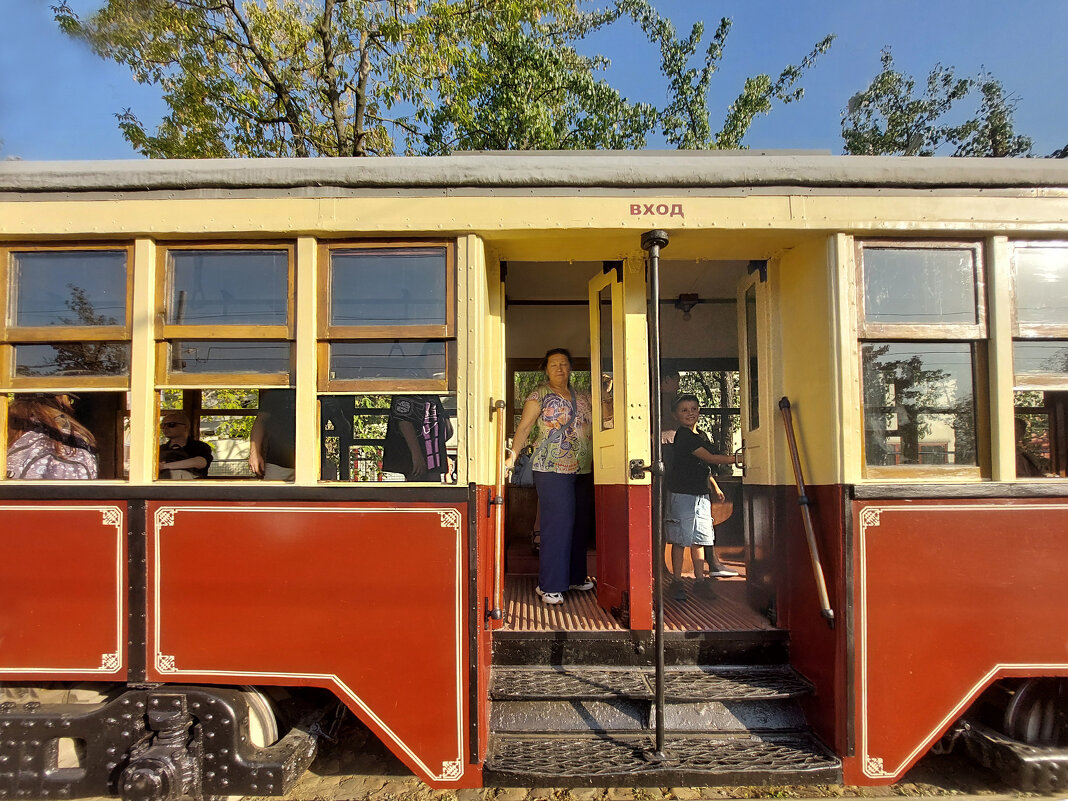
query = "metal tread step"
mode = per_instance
[
  {"x": 721, "y": 683},
  {"x": 595, "y": 760}
]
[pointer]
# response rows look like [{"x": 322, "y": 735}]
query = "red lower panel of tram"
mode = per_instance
[
  {"x": 367, "y": 600},
  {"x": 949, "y": 596}
]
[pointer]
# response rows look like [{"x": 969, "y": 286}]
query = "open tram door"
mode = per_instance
[
  {"x": 608, "y": 388},
  {"x": 757, "y": 434}
]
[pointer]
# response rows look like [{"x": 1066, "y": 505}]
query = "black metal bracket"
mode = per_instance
[{"x": 609, "y": 266}]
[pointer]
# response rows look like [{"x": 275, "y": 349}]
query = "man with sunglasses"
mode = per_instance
[{"x": 182, "y": 457}]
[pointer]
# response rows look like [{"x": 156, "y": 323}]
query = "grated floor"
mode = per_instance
[{"x": 728, "y": 611}]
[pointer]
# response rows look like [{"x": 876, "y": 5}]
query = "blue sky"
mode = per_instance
[{"x": 58, "y": 100}]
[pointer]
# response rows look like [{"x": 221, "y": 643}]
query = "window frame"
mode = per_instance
[
  {"x": 976, "y": 335},
  {"x": 329, "y": 334},
  {"x": 167, "y": 333},
  {"x": 12, "y": 335}
]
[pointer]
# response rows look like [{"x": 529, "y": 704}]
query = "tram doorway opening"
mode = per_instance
[{"x": 700, "y": 355}]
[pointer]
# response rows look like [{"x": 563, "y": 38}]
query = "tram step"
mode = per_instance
[
  {"x": 719, "y": 683},
  {"x": 636, "y": 715},
  {"x": 635, "y": 649},
  {"x": 601, "y": 760}
]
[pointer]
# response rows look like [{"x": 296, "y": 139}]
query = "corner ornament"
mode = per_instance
[
  {"x": 869, "y": 517},
  {"x": 450, "y": 771},
  {"x": 450, "y": 518},
  {"x": 873, "y": 767}
]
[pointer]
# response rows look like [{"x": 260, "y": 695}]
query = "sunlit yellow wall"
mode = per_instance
[
  {"x": 636, "y": 343},
  {"x": 803, "y": 365}
]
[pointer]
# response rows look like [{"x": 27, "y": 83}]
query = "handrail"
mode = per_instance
[
  {"x": 497, "y": 505},
  {"x": 806, "y": 515}
]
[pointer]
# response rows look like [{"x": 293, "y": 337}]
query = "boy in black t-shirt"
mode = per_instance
[{"x": 688, "y": 512}]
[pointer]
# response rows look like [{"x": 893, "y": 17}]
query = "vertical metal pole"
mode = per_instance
[{"x": 653, "y": 242}]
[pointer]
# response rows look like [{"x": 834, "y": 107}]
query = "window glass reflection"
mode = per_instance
[
  {"x": 920, "y": 285},
  {"x": 72, "y": 359},
  {"x": 69, "y": 288},
  {"x": 221, "y": 356},
  {"x": 604, "y": 315},
  {"x": 919, "y": 403},
  {"x": 228, "y": 287},
  {"x": 1042, "y": 285},
  {"x": 1031, "y": 358},
  {"x": 388, "y": 287},
  {"x": 370, "y": 360}
]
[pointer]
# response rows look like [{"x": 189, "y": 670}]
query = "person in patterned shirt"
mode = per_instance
[{"x": 562, "y": 419}]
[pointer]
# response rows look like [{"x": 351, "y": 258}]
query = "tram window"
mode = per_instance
[
  {"x": 386, "y": 287},
  {"x": 1040, "y": 358},
  {"x": 389, "y": 321},
  {"x": 377, "y": 437},
  {"x": 226, "y": 315},
  {"x": 72, "y": 359},
  {"x": 67, "y": 316},
  {"x": 922, "y": 322},
  {"x": 68, "y": 288},
  {"x": 60, "y": 436},
  {"x": 919, "y": 403},
  {"x": 227, "y": 357},
  {"x": 228, "y": 287}
]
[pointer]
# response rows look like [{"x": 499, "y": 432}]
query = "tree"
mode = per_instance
[
  {"x": 370, "y": 77},
  {"x": 685, "y": 120},
  {"x": 548, "y": 98},
  {"x": 889, "y": 117},
  {"x": 293, "y": 77}
]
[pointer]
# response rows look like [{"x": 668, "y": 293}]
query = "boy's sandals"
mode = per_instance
[
  {"x": 723, "y": 572},
  {"x": 678, "y": 591}
]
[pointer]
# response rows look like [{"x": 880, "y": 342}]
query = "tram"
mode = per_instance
[{"x": 884, "y": 340}]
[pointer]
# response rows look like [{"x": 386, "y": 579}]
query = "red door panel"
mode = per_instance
[
  {"x": 367, "y": 600},
  {"x": 62, "y": 591}
]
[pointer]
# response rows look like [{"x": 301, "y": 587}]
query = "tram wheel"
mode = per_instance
[
  {"x": 262, "y": 720},
  {"x": 1037, "y": 714}
]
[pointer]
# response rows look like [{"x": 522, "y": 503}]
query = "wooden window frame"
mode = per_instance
[
  {"x": 329, "y": 334},
  {"x": 166, "y": 333},
  {"x": 973, "y": 334},
  {"x": 918, "y": 331},
  {"x": 12, "y": 335}
]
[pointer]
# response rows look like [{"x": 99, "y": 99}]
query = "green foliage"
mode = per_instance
[
  {"x": 890, "y": 118},
  {"x": 291, "y": 77},
  {"x": 370, "y": 77},
  {"x": 547, "y": 98},
  {"x": 685, "y": 120}
]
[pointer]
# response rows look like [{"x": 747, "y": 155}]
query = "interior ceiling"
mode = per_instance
[{"x": 545, "y": 280}]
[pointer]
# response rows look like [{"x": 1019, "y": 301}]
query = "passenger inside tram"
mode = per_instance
[
  {"x": 47, "y": 442},
  {"x": 182, "y": 457},
  {"x": 562, "y": 417}
]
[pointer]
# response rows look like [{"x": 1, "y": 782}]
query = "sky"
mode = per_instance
[{"x": 58, "y": 101}]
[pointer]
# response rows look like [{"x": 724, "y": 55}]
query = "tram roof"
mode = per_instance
[{"x": 542, "y": 170}]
